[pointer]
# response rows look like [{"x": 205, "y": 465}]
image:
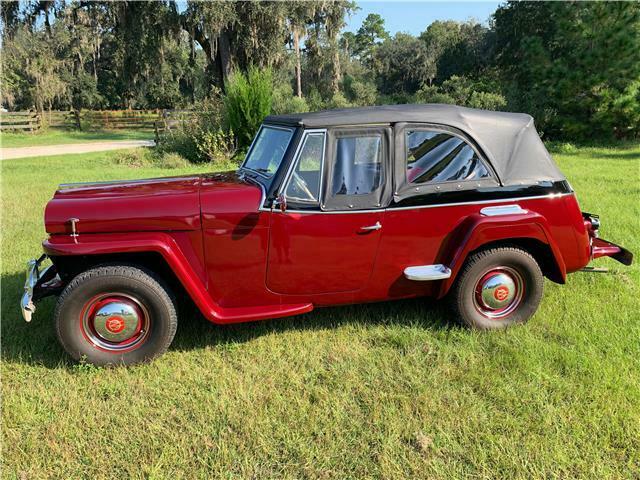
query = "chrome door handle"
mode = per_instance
[{"x": 377, "y": 226}]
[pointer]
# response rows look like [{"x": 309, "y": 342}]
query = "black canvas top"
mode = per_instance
[{"x": 509, "y": 140}]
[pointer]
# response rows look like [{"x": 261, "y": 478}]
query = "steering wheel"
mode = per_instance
[{"x": 302, "y": 185}]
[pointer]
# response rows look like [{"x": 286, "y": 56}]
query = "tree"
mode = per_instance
[
  {"x": 33, "y": 72},
  {"x": 369, "y": 36},
  {"x": 404, "y": 64},
  {"x": 567, "y": 62},
  {"x": 300, "y": 15},
  {"x": 322, "y": 47}
]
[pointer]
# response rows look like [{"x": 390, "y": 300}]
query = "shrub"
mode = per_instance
[
  {"x": 486, "y": 101},
  {"x": 170, "y": 160},
  {"x": 432, "y": 94},
  {"x": 247, "y": 102},
  {"x": 135, "y": 158},
  {"x": 314, "y": 100},
  {"x": 216, "y": 145},
  {"x": 463, "y": 91},
  {"x": 284, "y": 101},
  {"x": 338, "y": 101},
  {"x": 396, "y": 99},
  {"x": 360, "y": 93},
  {"x": 181, "y": 141}
]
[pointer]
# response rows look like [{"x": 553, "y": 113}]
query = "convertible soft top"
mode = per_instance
[{"x": 509, "y": 140}]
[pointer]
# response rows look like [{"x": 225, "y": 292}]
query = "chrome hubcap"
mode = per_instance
[
  {"x": 498, "y": 292},
  {"x": 115, "y": 322}
]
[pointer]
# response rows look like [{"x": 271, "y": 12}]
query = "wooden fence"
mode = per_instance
[
  {"x": 159, "y": 121},
  {"x": 23, "y": 121},
  {"x": 170, "y": 120}
]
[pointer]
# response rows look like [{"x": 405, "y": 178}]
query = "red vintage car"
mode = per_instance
[{"x": 328, "y": 208}]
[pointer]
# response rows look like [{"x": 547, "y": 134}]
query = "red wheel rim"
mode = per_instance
[
  {"x": 498, "y": 292},
  {"x": 114, "y": 322}
]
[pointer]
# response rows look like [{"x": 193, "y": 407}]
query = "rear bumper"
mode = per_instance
[{"x": 603, "y": 248}]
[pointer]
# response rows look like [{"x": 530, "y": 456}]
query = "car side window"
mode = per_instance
[
  {"x": 304, "y": 184},
  {"x": 437, "y": 156},
  {"x": 358, "y": 165}
]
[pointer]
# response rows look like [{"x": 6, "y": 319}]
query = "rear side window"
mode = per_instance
[
  {"x": 435, "y": 156},
  {"x": 358, "y": 165}
]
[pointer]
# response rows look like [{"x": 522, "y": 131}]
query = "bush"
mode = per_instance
[
  {"x": 181, "y": 141},
  {"x": 314, "y": 100},
  {"x": 432, "y": 94},
  {"x": 360, "y": 93},
  {"x": 170, "y": 160},
  {"x": 135, "y": 158},
  {"x": 247, "y": 101},
  {"x": 146, "y": 157},
  {"x": 396, "y": 99},
  {"x": 284, "y": 101},
  {"x": 216, "y": 145},
  {"x": 463, "y": 91},
  {"x": 338, "y": 101}
]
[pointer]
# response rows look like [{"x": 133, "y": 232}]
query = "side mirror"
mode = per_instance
[{"x": 281, "y": 202}]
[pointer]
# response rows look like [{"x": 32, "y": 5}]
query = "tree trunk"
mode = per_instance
[
  {"x": 217, "y": 61},
  {"x": 337, "y": 74},
  {"x": 76, "y": 116},
  {"x": 224, "y": 52},
  {"x": 296, "y": 47}
]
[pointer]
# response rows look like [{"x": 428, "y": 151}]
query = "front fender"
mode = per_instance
[
  {"x": 167, "y": 246},
  {"x": 478, "y": 230}
]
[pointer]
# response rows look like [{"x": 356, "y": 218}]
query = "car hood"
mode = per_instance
[{"x": 157, "y": 204}]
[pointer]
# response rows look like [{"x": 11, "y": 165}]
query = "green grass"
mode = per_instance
[
  {"x": 389, "y": 390},
  {"x": 60, "y": 136}
]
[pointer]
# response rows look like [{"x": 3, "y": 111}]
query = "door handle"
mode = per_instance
[{"x": 377, "y": 226}]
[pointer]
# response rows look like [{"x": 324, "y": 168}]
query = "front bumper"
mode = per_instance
[{"x": 38, "y": 284}]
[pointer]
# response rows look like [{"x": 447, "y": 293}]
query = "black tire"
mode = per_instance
[
  {"x": 479, "y": 271},
  {"x": 141, "y": 290}
]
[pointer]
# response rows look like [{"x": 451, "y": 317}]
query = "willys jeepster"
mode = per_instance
[{"x": 328, "y": 208}]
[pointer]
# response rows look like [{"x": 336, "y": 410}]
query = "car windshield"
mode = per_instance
[{"x": 268, "y": 150}]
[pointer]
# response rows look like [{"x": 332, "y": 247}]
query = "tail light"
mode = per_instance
[{"x": 591, "y": 223}]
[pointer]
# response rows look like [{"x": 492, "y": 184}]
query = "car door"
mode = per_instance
[{"x": 327, "y": 237}]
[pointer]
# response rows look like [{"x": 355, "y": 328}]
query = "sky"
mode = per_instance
[{"x": 414, "y": 17}]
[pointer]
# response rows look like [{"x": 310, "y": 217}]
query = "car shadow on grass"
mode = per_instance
[{"x": 35, "y": 343}]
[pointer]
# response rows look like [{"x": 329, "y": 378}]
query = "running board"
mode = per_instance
[{"x": 422, "y": 273}]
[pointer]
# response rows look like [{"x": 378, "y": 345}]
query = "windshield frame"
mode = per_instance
[{"x": 267, "y": 177}]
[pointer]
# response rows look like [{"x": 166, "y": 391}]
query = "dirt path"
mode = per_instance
[{"x": 47, "y": 150}]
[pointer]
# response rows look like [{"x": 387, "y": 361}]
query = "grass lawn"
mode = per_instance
[
  {"x": 389, "y": 390},
  {"x": 60, "y": 136}
]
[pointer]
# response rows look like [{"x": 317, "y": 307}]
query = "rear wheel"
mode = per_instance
[
  {"x": 497, "y": 288},
  {"x": 115, "y": 314}
]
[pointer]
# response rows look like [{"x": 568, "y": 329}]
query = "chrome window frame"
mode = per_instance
[
  {"x": 253, "y": 142},
  {"x": 296, "y": 158}
]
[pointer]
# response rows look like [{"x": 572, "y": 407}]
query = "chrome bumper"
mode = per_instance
[{"x": 27, "y": 306}]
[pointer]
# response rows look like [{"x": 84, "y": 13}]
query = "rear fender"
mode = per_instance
[
  {"x": 166, "y": 245},
  {"x": 478, "y": 230}
]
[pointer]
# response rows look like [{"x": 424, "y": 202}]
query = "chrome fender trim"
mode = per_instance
[{"x": 502, "y": 210}]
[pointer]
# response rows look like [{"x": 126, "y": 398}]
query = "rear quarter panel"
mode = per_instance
[{"x": 426, "y": 236}]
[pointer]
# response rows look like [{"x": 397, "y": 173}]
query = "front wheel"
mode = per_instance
[
  {"x": 115, "y": 314},
  {"x": 497, "y": 288}
]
